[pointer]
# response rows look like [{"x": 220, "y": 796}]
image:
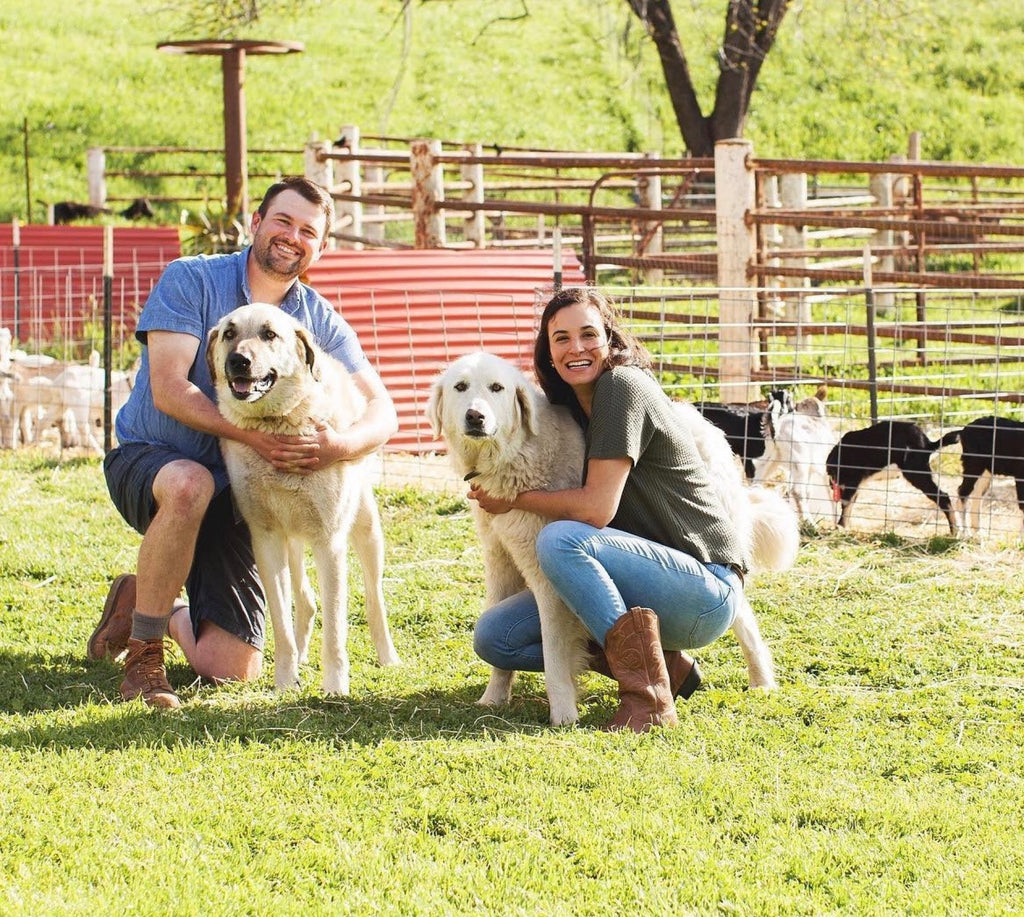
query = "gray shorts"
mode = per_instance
[{"x": 223, "y": 586}]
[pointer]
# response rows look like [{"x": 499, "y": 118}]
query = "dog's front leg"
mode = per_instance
[
  {"x": 332, "y": 569},
  {"x": 271, "y": 550},
  {"x": 564, "y": 640},
  {"x": 760, "y": 667}
]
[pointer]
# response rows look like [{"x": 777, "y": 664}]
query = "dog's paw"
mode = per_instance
[
  {"x": 336, "y": 682},
  {"x": 564, "y": 716}
]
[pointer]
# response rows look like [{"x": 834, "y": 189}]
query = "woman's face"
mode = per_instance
[{"x": 579, "y": 346}]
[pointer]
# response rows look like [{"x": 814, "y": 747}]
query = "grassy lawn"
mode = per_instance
[
  {"x": 884, "y": 776},
  {"x": 572, "y": 74}
]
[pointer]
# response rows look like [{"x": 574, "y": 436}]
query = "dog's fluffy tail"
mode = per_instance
[{"x": 775, "y": 531}]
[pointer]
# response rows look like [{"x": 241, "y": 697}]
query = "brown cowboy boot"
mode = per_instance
[
  {"x": 111, "y": 635},
  {"x": 684, "y": 674},
  {"x": 633, "y": 650},
  {"x": 145, "y": 675}
]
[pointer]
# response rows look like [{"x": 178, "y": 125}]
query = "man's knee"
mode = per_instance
[{"x": 183, "y": 488}]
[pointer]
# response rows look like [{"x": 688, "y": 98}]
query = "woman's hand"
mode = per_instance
[{"x": 486, "y": 502}]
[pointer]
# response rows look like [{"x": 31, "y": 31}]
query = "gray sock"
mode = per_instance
[{"x": 148, "y": 628}]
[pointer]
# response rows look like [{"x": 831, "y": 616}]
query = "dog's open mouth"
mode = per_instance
[{"x": 246, "y": 388}]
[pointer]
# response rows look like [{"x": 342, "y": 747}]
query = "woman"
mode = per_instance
[{"x": 643, "y": 552}]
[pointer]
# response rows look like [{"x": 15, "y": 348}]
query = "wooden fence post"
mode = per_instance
[
  {"x": 793, "y": 196},
  {"x": 96, "y": 167},
  {"x": 349, "y": 177},
  {"x": 320, "y": 170},
  {"x": 771, "y": 240},
  {"x": 880, "y": 186},
  {"x": 653, "y": 231},
  {"x": 735, "y": 196},
  {"x": 427, "y": 193},
  {"x": 473, "y": 173}
]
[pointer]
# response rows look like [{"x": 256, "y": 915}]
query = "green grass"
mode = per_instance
[
  {"x": 884, "y": 776},
  {"x": 564, "y": 77}
]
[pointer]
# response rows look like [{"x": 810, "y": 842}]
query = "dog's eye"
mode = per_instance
[
  {"x": 228, "y": 334},
  {"x": 461, "y": 386},
  {"x": 267, "y": 334},
  {"x": 496, "y": 387}
]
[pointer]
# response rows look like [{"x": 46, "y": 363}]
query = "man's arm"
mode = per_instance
[{"x": 377, "y": 425}]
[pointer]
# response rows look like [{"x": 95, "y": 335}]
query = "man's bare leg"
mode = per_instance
[{"x": 182, "y": 490}]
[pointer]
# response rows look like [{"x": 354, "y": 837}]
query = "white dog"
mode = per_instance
[
  {"x": 504, "y": 434},
  {"x": 271, "y": 376}
]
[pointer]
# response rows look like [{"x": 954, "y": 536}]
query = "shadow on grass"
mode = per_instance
[{"x": 87, "y": 711}]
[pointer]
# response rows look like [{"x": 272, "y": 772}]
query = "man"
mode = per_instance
[{"x": 167, "y": 477}]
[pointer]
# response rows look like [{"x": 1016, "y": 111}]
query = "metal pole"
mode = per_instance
[
  {"x": 16, "y": 244},
  {"x": 556, "y": 252},
  {"x": 108, "y": 348},
  {"x": 28, "y": 176},
  {"x": 869, "y": 308},
  {"x": 233, "y": 70}
]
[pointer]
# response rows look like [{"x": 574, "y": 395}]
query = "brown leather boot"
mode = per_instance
[
  {"x": 111, "y": 635},
  {"x": 684, "y": 675},
  {"x": 633, "y": 650},
  {"x": 145, "y": 675}
]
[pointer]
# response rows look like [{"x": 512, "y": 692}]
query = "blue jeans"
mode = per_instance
[{"x": 600, "y": 574}]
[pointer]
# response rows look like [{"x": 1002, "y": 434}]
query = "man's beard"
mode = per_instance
[{"x": 276, "y": 264}]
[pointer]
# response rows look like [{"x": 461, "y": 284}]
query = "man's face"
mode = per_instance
[{"x": 290, "y": 237}]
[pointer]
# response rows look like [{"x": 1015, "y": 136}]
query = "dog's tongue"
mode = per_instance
[{"x": 241, "y": 386}]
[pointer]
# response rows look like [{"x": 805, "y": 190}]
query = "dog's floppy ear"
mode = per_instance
[
  {"x": 435, "y": 405},
  {"x": 525, "y": 405},
  {"x": 307, "y": 351},
  {"x": 211, "y": 362}
]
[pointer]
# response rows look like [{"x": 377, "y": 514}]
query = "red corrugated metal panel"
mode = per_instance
[
  {"x": 60, "y": 275},
  {"x": 417, "y": 310}
]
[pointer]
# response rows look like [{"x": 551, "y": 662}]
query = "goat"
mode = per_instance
[
  {"x": 744, "y": 424},
  {"x": 797, "y": 445},
  {"x": 862, "y": 453},
  {"x": 991, "y": 446}
]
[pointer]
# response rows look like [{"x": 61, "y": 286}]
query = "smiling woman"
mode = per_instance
[{"x": 644, "y": 550}]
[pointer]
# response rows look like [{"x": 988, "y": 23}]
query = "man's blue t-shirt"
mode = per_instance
[{"x": 191, "y": 296}]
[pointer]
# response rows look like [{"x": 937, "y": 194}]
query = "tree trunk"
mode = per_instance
[
  {"x": 750, "y": 30},
  {"x": 656, "y": 15}
]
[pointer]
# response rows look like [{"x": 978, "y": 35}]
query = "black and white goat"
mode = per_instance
[
  {"x": 860, "y": 454},
  {"x": 796, "y": 447},
  {"x": 991, "y": 446},
  {"x": 745, "y": 425}
]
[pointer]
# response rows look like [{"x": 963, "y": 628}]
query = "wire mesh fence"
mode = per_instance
[{"x": 911, "y": 366}]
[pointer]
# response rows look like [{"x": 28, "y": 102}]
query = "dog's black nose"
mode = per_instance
[
  {"x": 238, "y": 364},
  {"x": 474, "y": 419}
]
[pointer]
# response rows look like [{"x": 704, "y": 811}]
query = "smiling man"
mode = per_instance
[{"x": 167, "y": 477}]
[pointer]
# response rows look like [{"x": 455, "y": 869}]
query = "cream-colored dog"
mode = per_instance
[
  {"x": 270, "y": 375},
  {"x": 502, "y": 432}
]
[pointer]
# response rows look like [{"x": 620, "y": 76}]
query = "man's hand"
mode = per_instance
[{"x": 294, "y": 454}]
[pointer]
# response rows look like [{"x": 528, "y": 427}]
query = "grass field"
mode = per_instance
[
  {"x": 884, "y": 776},
  {"x": 576, "y": 75}
]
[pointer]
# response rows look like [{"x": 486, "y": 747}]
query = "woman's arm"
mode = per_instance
[{"x": 595, "y": 503}]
